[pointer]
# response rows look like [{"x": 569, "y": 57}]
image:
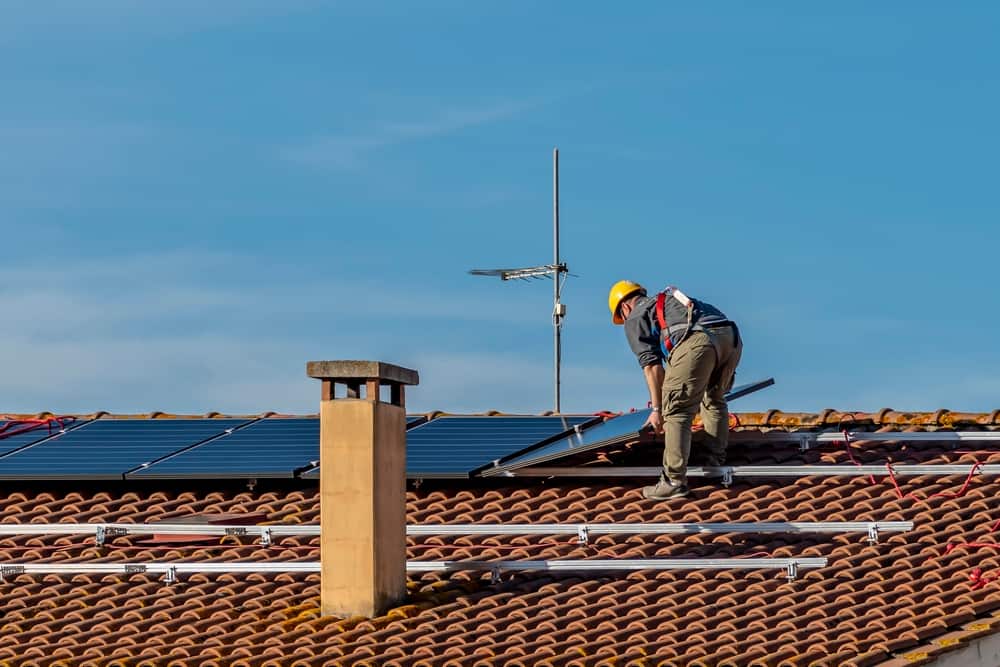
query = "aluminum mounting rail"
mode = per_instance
[
  {"x": 173, "y": 570},
  {"x": 808, "y": 439},
  {"x": 728, "y": 473},
  {"x": 583, "y": 531}
]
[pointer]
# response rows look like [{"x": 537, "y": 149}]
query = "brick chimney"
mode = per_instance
[{"x": 362, "y": 486}]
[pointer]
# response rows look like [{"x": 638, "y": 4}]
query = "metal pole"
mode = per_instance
[{"x": 556, "y": 315}]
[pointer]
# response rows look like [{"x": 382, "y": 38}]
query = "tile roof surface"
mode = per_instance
[{"x": 903, "y": 601}]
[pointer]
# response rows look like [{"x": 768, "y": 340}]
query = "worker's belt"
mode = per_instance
[{"x": 707, "y": 328}]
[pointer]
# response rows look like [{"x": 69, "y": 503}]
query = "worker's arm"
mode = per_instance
[
  {"x": 645, "y": 343},
  {"x": 654, "y": 382}
]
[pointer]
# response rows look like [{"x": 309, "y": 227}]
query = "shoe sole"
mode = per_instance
[{"x": 673, "y": 495}]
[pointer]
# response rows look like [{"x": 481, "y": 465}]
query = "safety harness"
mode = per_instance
[
  {"x": 692, "y": 324},
  {"x": 661, "y": 300}
]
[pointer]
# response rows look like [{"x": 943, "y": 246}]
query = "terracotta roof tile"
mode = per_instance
[{"x": 871, "y": 603}]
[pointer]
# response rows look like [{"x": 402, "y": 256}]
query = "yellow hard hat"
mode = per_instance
[{"x": 620, "y": 291}]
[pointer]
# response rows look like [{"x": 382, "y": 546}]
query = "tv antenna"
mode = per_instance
[{"x": 557, "y": 271}]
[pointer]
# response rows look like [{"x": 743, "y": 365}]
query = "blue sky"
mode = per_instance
[{"x": 197, "y": 198}]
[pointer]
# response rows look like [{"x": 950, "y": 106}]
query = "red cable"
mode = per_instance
[
  {"x": 850, "y": 454},
  {"x": 942, "y": 494},
  {"x": 978, "y": 580},
  {"x": 8, "y": 430},
  {"x": 976, "y": 576},
  {"x": 734, "y": 422}
]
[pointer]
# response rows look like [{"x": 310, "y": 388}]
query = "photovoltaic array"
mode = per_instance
[
  {"x": 288, "y": 447},
  {"x": 106, "y": 448}
]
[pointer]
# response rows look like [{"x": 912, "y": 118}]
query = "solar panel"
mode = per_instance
[
  {"x": 269, "y": 448},
  {"x": 272, "y": 448},
  {"x": 625, "y": 427},
  {"x": 455, "y": 447},
  {"x": 619, "y": 429},
  {"x": 749, "y": 388},
  {"x": 16, "y": 435},
  {"x": 106, "y": 448}
]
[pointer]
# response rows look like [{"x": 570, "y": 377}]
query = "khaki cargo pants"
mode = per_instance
[{"x": 697, "y": 378}]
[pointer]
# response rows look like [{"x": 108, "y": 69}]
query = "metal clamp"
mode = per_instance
[
  {"x": 495, "y": 574},
  {"x": 727, "y": 476},
  {"x": 873, "y": 534},
  {"x": 583, "y": 534},
  {"x": 792, "y": 570},
  {"x": 265, "y": 536},
  {"x": 171, "y": 575},
  {"x": 102, "y": 533}
]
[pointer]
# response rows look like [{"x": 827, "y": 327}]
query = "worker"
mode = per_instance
[{"x": 701, "y": 348}]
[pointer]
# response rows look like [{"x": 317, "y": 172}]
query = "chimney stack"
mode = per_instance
[{"x": 362, "y": 486}]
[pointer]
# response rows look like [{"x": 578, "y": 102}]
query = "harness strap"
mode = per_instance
[
  {"x": 661, "y": 300},
  {"x": 665, "y": 337}
]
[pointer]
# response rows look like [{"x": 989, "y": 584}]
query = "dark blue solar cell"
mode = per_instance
[
  {"x": 454, "y": 447},
  {"x": 106, "y": 448},
  {"x": 269, "y": 448},
  {"x": 14, "y": 434}
]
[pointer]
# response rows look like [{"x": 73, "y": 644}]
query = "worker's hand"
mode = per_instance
[{"x": 654, "y": 421}]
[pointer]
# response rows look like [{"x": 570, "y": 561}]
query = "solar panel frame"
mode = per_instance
[
  {"x": 619, "y": 429},
  {"x": 103, "y": 449}
]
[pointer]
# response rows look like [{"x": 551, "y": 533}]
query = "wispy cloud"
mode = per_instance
[
  {"x": 348, "y": 151},
  {"x": 477, "y": 382},
  {"x": 60, "y": 164},
  {"x": 164, "y": 331},
  {"x": 190, "y": 331}
]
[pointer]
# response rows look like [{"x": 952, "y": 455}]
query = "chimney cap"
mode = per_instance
[{"x": 361, "y": 370}]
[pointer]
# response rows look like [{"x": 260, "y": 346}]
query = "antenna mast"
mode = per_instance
[
  {"x": 556, "y": 270},
  {"x": 558, "y": 309}
]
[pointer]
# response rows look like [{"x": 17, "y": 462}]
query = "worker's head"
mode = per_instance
[{"x": 622, "y": 298}]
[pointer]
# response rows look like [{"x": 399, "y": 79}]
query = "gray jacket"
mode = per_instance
[{"x": 643, "y": 330}]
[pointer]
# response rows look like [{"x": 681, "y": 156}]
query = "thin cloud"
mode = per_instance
[
  {"x": 350, "y": 151},
  {"x": 155, "y": 332},
  {"x": 154, "y": 287}
]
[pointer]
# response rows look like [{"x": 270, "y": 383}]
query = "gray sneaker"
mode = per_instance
[{"x": 664, "y": 490}]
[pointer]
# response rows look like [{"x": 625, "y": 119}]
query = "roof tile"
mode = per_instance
[{"x": 871, "y": 600}]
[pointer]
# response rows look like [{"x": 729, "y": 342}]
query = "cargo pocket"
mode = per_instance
[{"x": 679, "y": 399}]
